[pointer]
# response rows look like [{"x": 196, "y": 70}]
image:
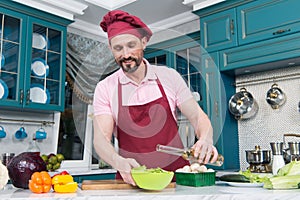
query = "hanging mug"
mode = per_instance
[
  {"x": 40, "y": 134},
  {"x": 2, "y": 132},
  {"x": 21, "y": 134}
]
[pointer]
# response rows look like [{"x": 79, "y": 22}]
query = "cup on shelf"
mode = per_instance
[
  {"x": 21, "y": 134},
  {"x": 2, "y": 132},
  {"x": 40, "y": 134}
]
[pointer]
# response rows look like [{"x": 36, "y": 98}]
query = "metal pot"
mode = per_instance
[
  {"x": 242, "y": 105},
  {"x": 275, "y": 96},
  {"x": 258, "y": 156}
]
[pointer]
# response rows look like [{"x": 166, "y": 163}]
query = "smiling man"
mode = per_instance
[{"x": 137, "y": 104}]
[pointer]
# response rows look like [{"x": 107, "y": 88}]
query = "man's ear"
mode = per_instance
[{"x": 144, "y": 42}]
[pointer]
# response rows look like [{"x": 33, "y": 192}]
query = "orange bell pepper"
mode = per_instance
[
  {"x": 40, "y": 182},
  {"x": 64, "y": 183}
]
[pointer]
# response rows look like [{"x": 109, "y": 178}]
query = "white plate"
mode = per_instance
[
  {"x": 38, "y": 41},
  {"x": 39, "y": 68},
  {"x": 3, "y": 90},
  {"x": 38, "y": 94},
  {"x": 242, "y": 184}
]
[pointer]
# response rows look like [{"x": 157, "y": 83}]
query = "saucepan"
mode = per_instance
[
  {"x": 242, "y": 105},
  {"x": 275, "y": 96},
  {"x": 258, "y": 156}
]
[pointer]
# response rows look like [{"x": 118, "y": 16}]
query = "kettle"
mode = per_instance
[
  {"x": 275, "y": 96},
  {"x": 242, "y": 105}
]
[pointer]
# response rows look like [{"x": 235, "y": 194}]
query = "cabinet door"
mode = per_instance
[
  {"x": 212, "y": 91},
  {"x": 45, "y": 70},
  {"x": 266, "y": 19},
  {"x": 218, "y": 31},
  {"x": 216, "y": 94},
  {"x": 11, "y": 65}
]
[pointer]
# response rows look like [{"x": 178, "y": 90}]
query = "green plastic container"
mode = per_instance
[{"x": 196, "y": 179}]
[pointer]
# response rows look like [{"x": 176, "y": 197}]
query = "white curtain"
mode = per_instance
[{"x": 88, "y": 61}]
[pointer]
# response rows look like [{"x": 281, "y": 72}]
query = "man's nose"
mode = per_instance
[{"x": 126, "y": 52}]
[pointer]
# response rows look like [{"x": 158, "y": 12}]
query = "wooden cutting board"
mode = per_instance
[{"x": 111, "y": 185}]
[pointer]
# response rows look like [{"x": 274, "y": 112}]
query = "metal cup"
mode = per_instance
[
  {"x": 277, "y": 148},
  {"x": 6, "y": 157},
  {"x": 294, "y": 148}
]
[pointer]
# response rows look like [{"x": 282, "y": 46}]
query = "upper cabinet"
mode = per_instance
[
  {"x": 250, "y": 34},
  {"x": 219, "y": 31},
  {"x": 32, "y": 50},
  {"x": 265, "y": 19}
]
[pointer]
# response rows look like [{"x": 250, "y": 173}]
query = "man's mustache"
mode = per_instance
[{"x": 127, "y": 59}]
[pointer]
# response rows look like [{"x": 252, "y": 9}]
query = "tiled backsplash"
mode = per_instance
[{"x": 269, "y": 125}]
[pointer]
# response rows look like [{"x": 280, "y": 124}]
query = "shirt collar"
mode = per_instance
[{"x": 150, "y": 75}]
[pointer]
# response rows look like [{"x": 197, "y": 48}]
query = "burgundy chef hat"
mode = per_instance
[{"x": 118, "y": 22}]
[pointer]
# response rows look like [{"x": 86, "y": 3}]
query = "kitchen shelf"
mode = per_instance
[{"x": 28, "y": 121}]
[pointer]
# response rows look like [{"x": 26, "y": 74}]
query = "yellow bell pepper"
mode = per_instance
[
  {"x": 64, "y": 184},
  {"x": 66, "y": 188}
]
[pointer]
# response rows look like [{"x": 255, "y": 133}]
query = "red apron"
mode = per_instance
[{"x": 140, "y": 128}]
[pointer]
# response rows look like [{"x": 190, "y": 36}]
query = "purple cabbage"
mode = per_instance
[{"x": 21, "y": 167}]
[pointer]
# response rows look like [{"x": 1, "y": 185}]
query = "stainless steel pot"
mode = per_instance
[
  {"x": 258, "y": 156},
  {"x": 242, "y": 105},
  {"x": 275, "y": 96}
]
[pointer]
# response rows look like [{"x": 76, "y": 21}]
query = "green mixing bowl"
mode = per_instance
[{"x": 151, "y": 179}]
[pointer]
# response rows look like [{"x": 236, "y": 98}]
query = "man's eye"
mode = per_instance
[
  {"x": 117, "y": 48},
  {"x": 131, "y": 44}
]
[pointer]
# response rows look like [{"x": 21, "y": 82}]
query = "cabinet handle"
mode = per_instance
[
  {"x": 216, "y": 109},
  {"x": 21, "y": 96},
  {"x": 281, "y": 31},
  {"x": 232, "y": 27},
  {"x": 27, "y": 97}
]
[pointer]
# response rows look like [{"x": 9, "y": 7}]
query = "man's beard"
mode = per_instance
[{"x": 127, "y": 67}]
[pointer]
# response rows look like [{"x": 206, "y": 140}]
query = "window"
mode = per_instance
[{"x": 75, "y": 133}]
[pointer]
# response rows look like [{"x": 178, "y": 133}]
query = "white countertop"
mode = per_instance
[{"x": 217, "y": 192}]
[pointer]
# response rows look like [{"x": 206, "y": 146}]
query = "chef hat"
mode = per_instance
[{"x": 118, "y": 22}]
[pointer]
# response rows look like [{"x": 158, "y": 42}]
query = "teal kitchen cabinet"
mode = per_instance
[
  {"x": 261, "y": 56},
  {"x": 219, "y": 31},
  {"x": 251, "y": 33},
  {"x": 216, "y": 94},
  {"x": 33, "y": 50},
  {"x": 106, "y": 176},
  {"x": 267, "y": 19}
]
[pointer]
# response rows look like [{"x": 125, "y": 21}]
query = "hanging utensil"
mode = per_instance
[
  {"x": 242, "y": 105},
  {"x": 187, "y": 154},
  {"x": 275, "y": 96}
]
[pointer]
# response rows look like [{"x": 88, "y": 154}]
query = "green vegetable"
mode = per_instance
[
  {"x": 254, "y": 178},
  {"x": 234, "y": 178},
  {"x": 282, "y": 182},
  {"x": 143, "y": 168},
  {"x": 288, "y": 177},
  {"x": 293, "y": 168}
]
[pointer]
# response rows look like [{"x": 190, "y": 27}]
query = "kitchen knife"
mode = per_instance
[{"x": 187, "y": 154}]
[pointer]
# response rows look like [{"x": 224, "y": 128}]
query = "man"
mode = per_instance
[{"x": 138, "y": 104}]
